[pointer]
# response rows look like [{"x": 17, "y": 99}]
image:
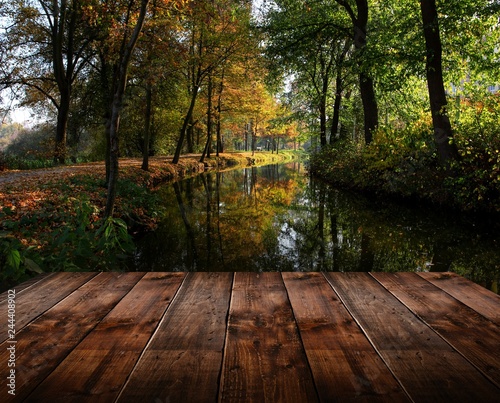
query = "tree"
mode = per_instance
[
  {"x": 128, "y": 42},
  {"x": 215, "y": 34},
  {"x": 366, "y": 85},
  {"x": 443, "y": 134},
  {"x": 48, "y": 44},
  {"x": 311, "y": 44},
  {"x": 155, "y": 66}
]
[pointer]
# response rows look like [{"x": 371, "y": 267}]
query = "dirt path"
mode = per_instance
[{"x": 48, "y": 174}]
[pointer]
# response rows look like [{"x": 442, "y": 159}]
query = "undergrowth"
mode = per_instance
[{"x": 403, "y": 163}]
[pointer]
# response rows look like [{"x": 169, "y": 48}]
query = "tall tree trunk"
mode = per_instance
[
  {"x": 370, "y": 107},
  {"x": 245, "y": 138},
  {"x": 208, "y": 146},
  {"x": 254, "y": 136},
  {"x": 190, "y": 136},
  {"x": 62, "y": 126},
  {"x": 62, "y": 31},
  {"x": 322, "y": 117},
  {"x": 366, "y": 85},
  {"x": 443, "y": 133},
  {"x": 339, "y": 84},
  {"x": 114, "y": 123},
  {"x": 220, "y": 145},
  {"x": 336, "y": 108},
  {"x": 187, "y": 120},
  {"x": 107, "y": 96},
  {"x": 147, "y": 127}
]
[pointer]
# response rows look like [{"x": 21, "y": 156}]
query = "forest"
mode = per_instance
[{"x": 395, "y": 97}]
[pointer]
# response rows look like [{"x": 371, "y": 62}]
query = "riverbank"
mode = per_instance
[
  {"x": 51, "y": 219},
  {"x": 413, "y": 178}
]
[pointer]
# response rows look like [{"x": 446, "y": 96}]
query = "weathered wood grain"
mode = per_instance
[
  {"x": 183, "y": 361},
  {"x": 25, "y": 285},
  {"x": 477, "y": 338},
  {"x": 427, "y": 367},
  {"x": 43, "y": 295},
  {"x": 264, "y": 359},
  {"x": 486, "y": 302},
  {"x": 45, "y": 342},
  {"x": 298, "y": 337},
  {"x": 344, "y": 363},
  {"x": 98, "y": 367}
]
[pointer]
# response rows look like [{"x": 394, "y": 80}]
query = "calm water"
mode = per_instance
[{"x": 275, "y": 218}]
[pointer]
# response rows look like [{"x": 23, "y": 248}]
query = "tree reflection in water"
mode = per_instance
[{"x": 275, "y": 218}]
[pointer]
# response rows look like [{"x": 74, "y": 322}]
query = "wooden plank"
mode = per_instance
[
  {"x": 45, "y": 342},
  {"x": 42, "y": 296},
  {"x": 99, "y": 366},
  {"x": 264, "y": 360},
  {"x": 486, "y": 302},
  {"x": 344, "y": 363},
  {"x": 25, "y": 285},
  {"x": 427, "y": 367},
  {"x": 474, "y": 336},
  {"x": 184, "y": 358}
]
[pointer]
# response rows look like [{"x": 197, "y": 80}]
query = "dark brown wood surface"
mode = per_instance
[
  {"x": 99, "y": 366},
  {"x": 182, "y": 363},
  {"x": 471, "y": 294},
  {"x": 25, "y": 285},
  {"x": 344, "y": 363},
  {"x": 449, "y": 317},
  {"x": 427, "y": 366},
  {"x": 253, "y": 337},
  {"x": 45, "y": 342},
  {"x": 48, "y": 292},
  {"x": 264, "y": 360}
]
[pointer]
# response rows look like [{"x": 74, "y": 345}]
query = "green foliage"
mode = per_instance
[
  {"x": 14, "y": 261},
  {"x": 79, "y": 241},
  {"x": 10, "y": 257},
  {"x": 402, "y": 162},
  {"x": 478, "y": 172},
  {"x": 18, "y": 162},
  {"x": 85, "y": 243}
]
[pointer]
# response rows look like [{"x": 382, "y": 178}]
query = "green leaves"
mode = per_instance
[
  {"x": 83, "y": 243},
  {"x": 15, "y": 265},
  {"x": 13, "y": 259},
  {"x": 402, "y": 161},
  {"x": 113, "y": 237}
]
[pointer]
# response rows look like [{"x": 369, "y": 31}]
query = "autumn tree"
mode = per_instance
[
  {"x": 214, "y": 35},
  {"x": 47, "y": 48},
  {"x": 260, "y": 107},
  {"x": 134, "y": 16},
  {"x": 155, "y": 69}
]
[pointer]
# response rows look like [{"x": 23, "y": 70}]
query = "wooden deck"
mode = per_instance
[{"x": 248, "y": 337}]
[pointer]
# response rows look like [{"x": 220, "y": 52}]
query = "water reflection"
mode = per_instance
[{"x": 275, "y": 218}]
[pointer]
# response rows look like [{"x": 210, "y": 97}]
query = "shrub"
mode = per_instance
[
  {"x": 403, "y": 161},
  {"x": 478, "y": 141}
]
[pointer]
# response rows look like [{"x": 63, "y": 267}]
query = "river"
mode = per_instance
[{"x": 276, "y": 218}]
